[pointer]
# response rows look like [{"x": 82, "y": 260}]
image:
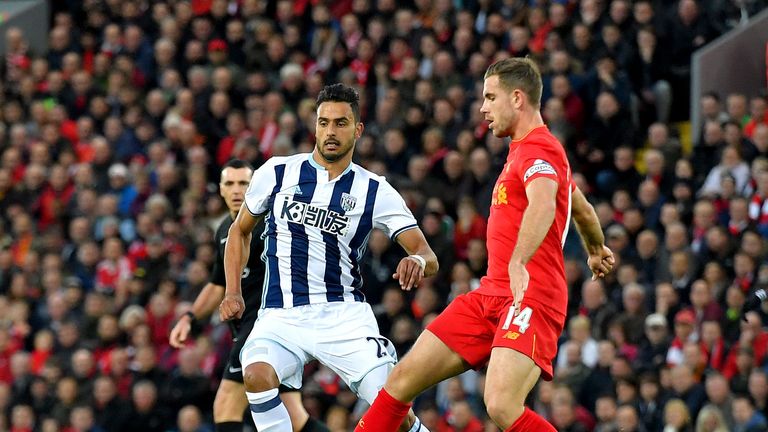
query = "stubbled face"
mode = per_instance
[
  {"x": 234, "y": 183},
  {"x": 499, "y": 107},
  {"x": 336, "y": 131}
]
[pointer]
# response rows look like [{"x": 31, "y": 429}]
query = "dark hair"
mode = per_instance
[
  {"x": 341, "y": 93},
  {"x": 521, "y": 73},
  {"x": 711, "y": 94},
  {"x": 237, "y": 164}
]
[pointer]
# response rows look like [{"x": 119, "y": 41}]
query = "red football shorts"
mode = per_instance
[{"x": 473, "y": 324}]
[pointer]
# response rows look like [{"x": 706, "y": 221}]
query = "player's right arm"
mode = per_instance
[
  {"x": 236, "y": 254},
  {"x": 601, "y": 258},
  {"x": 204, "y": 305},
  {"x": 238, "y": 244}
]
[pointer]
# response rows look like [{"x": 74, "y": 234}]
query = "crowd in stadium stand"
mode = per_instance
[{"x": 111, "y": 142}]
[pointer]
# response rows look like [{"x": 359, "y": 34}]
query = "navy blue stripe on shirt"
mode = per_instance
[
  {"x": 274, "y": 295},
  {"x": 334, "y": 289},
  {"x": 299, "y": 238},
  {"x": 360, "y": 240}
]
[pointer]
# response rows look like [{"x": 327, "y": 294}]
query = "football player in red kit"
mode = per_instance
[{"x": 513, "y": 320}]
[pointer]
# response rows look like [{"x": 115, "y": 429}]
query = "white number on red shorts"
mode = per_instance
[{"x": 521, "y": 320}]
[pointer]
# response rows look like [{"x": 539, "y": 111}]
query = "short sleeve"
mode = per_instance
[
  {"x": 260, "y": 189},
  {"x": 536, "y": 166},
  {"x": 390, "y": 214},
  {"x": 217, "y": 274}
]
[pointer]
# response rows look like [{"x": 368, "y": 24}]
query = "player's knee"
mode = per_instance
[
  {"x": 398, "y": 384},
  {"x": 260, "y": 377},
  {"x": 501, "y": 409}
]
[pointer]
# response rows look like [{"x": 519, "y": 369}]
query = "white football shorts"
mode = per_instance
[{"x": 344, "y": 336}]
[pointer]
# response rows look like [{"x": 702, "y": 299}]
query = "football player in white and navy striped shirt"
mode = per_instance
[{"x": 320, "y": 209}]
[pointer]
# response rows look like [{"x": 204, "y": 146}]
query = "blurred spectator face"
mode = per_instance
[
  {"x": 704, "y": 215},
  {"x": 676, "y": 237},
  {"x": 611, "y": 33},
  {"x": 66, "y": 390},
  {"x": 34, "y": 177},
  {"x": 81, "y": 419},
  {"x": 632, "y": 298},
  {"x": 682, "y": 379},
  {"x": 605, "y": 409},
  {"x": 22, "y": 418},
  {"x": 624, "y": 159},
  {"x": 455, "y": 390},
  {"x": 144, "y": 396},
  {"x": 563, "y": 415},
  {"x": 619, "y": 11},
  {"x": 606, "y": 353},
  {"x": 736, "y": 103},
  {"x": 20, "y": 365},
  {"x": 607, "y": 106},
  {"x": 554, "y": 111},
  {"x": 716, "y": 387},
  {"x": 647, "y": 244},
  {"x": 108, "y": 328},
  {"x": 752, "y": 244},
  {"x": 104, "y": 390},
  {"x": 393, "y": 301},
  {"x": 730, "y": 157},
  {"x": 743, "y": 265},
  {"x": 758, "y": 385},
  {"x": 742, "y": 410},
  {"x": 561, "y": 87},
  {"x": 83, "y": 363},
  {"x": 732, "y": 135},
  {"x": 713, "y": 133},
  {"x": 593, "y": 294},
  {"x": 189, "y": 362},
  {"x": 189, "y": 419},
  {"x": 572, "y": 353},
  {"x": 760, "y": 137},
  {"x": 700, "y": 294}
]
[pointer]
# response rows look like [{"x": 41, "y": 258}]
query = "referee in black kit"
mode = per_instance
[{"x": 230, "y": 403}]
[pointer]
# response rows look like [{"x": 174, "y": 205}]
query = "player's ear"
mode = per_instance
[
  {"x": 517, "y": 98},
  {"x": 359, "y": 130}
]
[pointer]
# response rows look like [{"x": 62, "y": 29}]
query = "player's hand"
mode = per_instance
[
  {"x": 231, "y": 307},
  {"x": 408, "y": 273},
  {"x": 518, "y": 282},
  {"x": 601, "y": 263},
  {"x": 180, "y": 332}
]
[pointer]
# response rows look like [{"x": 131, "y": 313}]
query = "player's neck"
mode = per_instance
[
  {"x": 233, "y": 214},
  {"x": 335, "y": 168},
  {"x": 528, "y": 122}
]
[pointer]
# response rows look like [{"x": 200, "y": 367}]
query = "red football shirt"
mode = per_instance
[{"x": 538, "y": 154}]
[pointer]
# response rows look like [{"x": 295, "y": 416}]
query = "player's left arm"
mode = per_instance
[
  {"x": 537, "y": 219},
  {"x": 601, "y": 258},
  {"x": 420, "y": 262}
]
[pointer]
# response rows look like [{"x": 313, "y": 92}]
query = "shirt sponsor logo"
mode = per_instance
[
  {"x": 315, "y": 217},
  {"x": 539, "y": 167}
]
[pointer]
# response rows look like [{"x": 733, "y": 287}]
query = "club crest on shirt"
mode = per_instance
[
  {"x": 348, "y": 202},
  {"x": 539, "y": 166},
  {"x": 499, "y": 195}
]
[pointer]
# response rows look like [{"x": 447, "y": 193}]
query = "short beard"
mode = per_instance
[{"x": 333, "y": 157}]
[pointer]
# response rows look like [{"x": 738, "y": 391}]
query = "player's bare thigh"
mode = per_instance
[
  {"x": 426, "y": 364},
  {"x": 511, "y": 376}
]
